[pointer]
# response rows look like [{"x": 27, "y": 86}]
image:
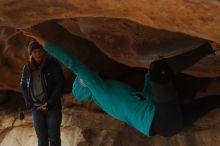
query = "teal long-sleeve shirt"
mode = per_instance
[{"x": 116, "y": 98}]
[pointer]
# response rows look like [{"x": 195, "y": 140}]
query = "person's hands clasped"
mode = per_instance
[
  {"x": 30, "y": 32},
  {"x": 41, "y": 106}
]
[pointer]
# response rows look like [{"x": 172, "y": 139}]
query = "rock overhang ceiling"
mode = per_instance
[
  {"x": 194, "y": 17},
  {"x": 128, "y": 32}
]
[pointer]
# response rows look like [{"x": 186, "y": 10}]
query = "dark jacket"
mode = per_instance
[{"x": 52, "y": 81}]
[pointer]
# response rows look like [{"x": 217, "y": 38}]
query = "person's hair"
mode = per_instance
[{"x": 33, "y": 45}]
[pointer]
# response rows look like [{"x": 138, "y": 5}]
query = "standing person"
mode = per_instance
[
  {"x": 42, "y": 84},
  {"x": 155, "y": 109}
]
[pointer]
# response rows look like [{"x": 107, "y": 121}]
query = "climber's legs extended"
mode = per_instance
[{"x": 168, "y": 118}]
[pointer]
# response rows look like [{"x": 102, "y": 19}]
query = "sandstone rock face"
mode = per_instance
[
  {"x": 194, "y": 17},
  {"x": 130, "y": 43},
  {"x": 95, "y": 44},
  {"x": 124, "y": 32},
  {"x": 83, "y": 128},
  {"x": 136, "y": 45},
  {"x": 13, "y": 54}
]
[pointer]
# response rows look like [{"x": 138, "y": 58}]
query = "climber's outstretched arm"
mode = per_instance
[{"x": 90, "y": 79}]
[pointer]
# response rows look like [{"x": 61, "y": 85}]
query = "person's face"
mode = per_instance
[{"x": 38, "y": 55}]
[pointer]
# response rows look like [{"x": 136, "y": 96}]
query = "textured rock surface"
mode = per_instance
[
  {"x": 137, "y": 45},
  {"x": 83, "y": 128},
  {"x": 130, "y": 44},
  {"x": 196, "y": 17},
  {"x": 13, "y": 54}
]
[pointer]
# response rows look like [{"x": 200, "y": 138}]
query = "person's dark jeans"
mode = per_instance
[{"x": 47, "y": 126}]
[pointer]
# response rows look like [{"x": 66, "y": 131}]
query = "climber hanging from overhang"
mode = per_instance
[{"x": 155, "y": 109}]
